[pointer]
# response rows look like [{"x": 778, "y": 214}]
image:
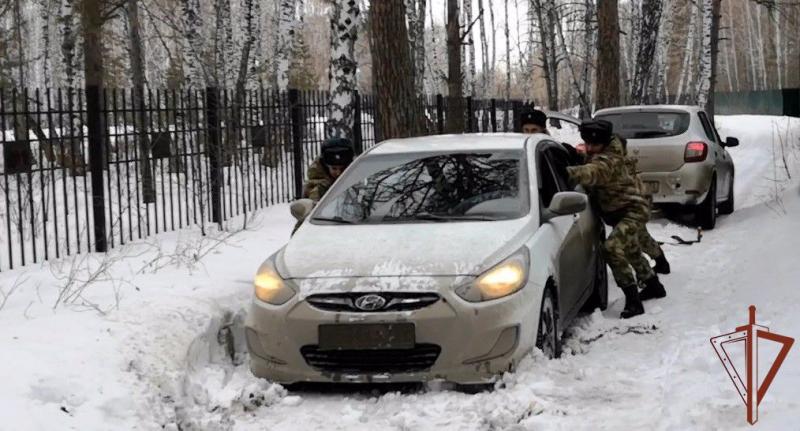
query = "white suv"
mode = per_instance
[{"x": 681, "y": 158}]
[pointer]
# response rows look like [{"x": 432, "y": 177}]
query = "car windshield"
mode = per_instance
[
  {"x": 429, "y": 188},
  {"x": 648, "y": 125}
]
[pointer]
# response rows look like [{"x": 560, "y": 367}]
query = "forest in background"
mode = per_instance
[{"x": 540, "y": 50}]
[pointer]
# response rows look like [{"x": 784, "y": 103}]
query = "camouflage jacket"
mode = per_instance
[
  {"x": 318, "y": 182},
  {"x": 617, "y": 147},
  {"x": 608, "y": 178}
]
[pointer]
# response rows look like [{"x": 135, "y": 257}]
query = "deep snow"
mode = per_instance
[{"x": 153, "y": 340}]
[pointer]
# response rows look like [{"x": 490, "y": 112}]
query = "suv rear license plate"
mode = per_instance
[
  {"x": 651, "y": 187},
  {"x": 363, "y": 336}
]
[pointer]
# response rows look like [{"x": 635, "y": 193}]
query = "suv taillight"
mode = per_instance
[{"x": 695, "y": 152}]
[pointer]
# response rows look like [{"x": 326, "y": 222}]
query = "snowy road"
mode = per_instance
[{"x": 166, "y": 350}]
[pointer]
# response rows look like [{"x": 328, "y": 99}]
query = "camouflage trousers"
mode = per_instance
[
  {"x": 623, "y": 249},
  {"x": 649, "y": 245}
]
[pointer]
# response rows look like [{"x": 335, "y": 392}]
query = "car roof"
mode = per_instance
[
  {"x": 465, "y": 142},
  {"x": 648, "y": 108}
]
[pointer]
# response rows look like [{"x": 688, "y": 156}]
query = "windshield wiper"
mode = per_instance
[{"x": 338, "y": 220}]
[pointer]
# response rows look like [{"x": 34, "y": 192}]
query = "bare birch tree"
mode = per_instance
[
  {"x": 344, "y": 32},
  {"x": 285, "y": 37},
  {"x": 646, "y": 50}
]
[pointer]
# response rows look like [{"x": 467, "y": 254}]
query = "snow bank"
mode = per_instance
[{"x": 767, "y": 158}]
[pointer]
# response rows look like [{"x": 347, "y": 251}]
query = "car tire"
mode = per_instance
[
  {"x": 727, "y": 206},
  {"x": 599, "y": 296},
  {"x": 548, "y": 336},
  {"x": 706, "y": 212}
]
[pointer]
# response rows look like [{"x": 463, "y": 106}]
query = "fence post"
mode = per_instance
[
  {"x": 358, "y": 143},
  {"x": 493, "y": 114},
  {"x": 516, "y": 106},
  {"x": 469, "y": 115},
  {"x": 96, "y": 156},
  {"x": 440, "y": 113},
  {"x": 297, "y": 141},
  {"x": 213, "y": 151}
]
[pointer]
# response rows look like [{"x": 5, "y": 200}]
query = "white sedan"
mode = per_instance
[{"x": 442, "y": 257}]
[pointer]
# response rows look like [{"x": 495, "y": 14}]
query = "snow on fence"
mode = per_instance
[{"x": 170, "y": 159}]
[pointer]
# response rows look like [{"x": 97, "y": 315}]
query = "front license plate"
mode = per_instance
[
  {"x": 367, "y": 336},
  {"x": 651, "y": 187}
]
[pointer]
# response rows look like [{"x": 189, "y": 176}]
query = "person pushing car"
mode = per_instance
[
  {"x": 607, "y": 179},
  {"x": 336, "y": 154}
]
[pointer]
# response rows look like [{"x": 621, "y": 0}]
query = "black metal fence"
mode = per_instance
[{"x": 85, "y": 170}]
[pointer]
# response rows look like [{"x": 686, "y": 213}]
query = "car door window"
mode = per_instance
[
  {"x": 558, "y": 161},
  {"x": 548, "y": 185},
  {"x": 707, "y": 127},
  {"x": 553, "y": 162}
]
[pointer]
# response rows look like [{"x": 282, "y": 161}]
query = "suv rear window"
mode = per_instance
[{"x": 646, "y": 125}]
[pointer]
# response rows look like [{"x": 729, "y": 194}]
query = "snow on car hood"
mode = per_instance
[{"x": 387, "y": 250}]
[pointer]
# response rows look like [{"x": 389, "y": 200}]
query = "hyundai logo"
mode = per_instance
[{"x": 370, "y": 302}]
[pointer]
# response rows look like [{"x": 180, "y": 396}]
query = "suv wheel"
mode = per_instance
[
  {"x": 706, "y": 212},
  {"x": 548, "y": 338}
]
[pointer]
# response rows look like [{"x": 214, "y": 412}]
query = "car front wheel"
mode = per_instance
[{"x": 548, "y": 338}]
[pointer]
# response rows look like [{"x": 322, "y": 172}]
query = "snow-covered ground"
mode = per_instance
[{"x": 149, "y": 336}]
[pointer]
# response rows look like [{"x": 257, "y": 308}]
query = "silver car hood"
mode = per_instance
[{"x": 399, "y": 250}]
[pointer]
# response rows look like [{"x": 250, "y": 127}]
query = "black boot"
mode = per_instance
[
  {"x": 662, "y": 266},
  {"x": 652, "y": 289},
  {"x": 633, "y": 305}
]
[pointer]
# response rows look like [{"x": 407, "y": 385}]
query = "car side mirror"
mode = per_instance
[
  {"x": 566, "y": 203},
  {"x": 731, "y": 142},
  {"x": 301, "y": 208}
]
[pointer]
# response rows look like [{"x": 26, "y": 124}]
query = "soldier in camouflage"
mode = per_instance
[
  {"x": 607, "y": 178},
  {"x": 649, "y": 245},
  {"x": 336, "y": 154}
]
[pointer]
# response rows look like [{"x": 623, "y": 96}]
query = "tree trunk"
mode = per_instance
[
  {"x": 607, "y": 54},
  {"x": 419, "y": 52},
  {"x": 455, "y": 83},
  {"x": 399, "y": 112},
  {"x": 715, "y": 17},
  {"x": 21, "y": 138},
  {"x": 469, "y": 43},
  {"x": 286, "y": 29},
  {"x": 582, "y": 100},
  {"x": 704, "y": 79},
  {"x": 484, "y": 52},
  {"x": 688, "y": 59},
  {"x": 646, "y": 50},
  {"x": 589, "y": 46},
  {"x": 493, "y": 57},
  {"x": 139, "y": 119},
  {"x": 194, "y": 73},
  {"x": 344, "y": 32},
  {"x": 660, "y": 87},
  {"x": 506, "y": 120}
]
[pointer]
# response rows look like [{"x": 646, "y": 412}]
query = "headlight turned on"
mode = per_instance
[
  {"x": 270, "y": 287},
  {"x": 501, "y": 280}
]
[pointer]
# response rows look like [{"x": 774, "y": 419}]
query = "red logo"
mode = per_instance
[{"x": 749, "y": 389}]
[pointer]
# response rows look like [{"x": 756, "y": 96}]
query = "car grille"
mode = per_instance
[
  {"x": 420, "y": 358},
  {"x": 394, "y": 301}
]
